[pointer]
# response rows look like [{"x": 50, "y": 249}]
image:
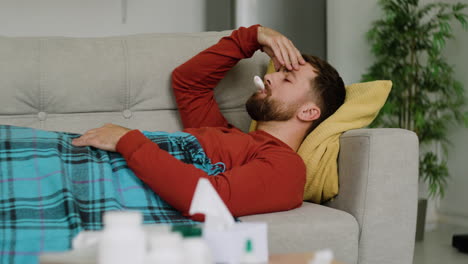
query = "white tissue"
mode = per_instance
[
  {"x": 207, "y": 201},
  {"x": 259, "y": 83}
]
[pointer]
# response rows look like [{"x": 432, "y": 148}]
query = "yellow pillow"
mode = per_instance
[{"x": 320, "y": 148}]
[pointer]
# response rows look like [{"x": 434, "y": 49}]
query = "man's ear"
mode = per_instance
[{"x": 309, "y": 112}]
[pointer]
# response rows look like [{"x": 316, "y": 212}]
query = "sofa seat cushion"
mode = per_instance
[{"x": 325, "y": 227}]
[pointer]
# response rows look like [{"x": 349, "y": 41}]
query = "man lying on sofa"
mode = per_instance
[{"x": 262, "y": 171}]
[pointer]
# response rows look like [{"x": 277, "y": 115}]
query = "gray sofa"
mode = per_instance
[{"x": 74, "y": 84}]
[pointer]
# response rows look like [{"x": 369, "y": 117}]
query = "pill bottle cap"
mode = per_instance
[{"x": 188, "y": 230}]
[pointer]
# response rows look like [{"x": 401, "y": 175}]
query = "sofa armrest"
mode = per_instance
[{"x": 378, "y": 177}]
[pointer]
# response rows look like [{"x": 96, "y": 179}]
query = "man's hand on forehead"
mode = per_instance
[{"x": 280, "y": 49}]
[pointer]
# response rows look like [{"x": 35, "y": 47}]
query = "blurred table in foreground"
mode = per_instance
[{"x": 293, "y": 258}]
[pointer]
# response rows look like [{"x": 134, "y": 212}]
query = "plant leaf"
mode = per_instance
[{"x": 408, "y": 42}]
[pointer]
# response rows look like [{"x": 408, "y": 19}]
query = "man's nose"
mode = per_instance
[{"x": 269, "y": 79}]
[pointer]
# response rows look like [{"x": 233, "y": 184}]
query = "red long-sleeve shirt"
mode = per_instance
[{"x": 262, "y": 174}]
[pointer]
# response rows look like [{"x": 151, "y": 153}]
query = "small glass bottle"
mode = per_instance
[{"x": 123, "y": 239}]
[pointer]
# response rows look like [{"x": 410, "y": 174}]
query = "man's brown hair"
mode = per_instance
[{"x": 327, "y": 87}]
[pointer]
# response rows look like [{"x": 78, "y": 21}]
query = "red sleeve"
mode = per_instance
[
  {"x": 261, "y": 186},
  {"x": 194, "y": 81}
]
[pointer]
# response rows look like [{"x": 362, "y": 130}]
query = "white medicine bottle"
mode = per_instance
[
  {"x": 123, "y": 239},
  {"x": 166, "y": 249}
]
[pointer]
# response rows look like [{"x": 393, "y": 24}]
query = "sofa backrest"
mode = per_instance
[{"x": 74, "y": 84}]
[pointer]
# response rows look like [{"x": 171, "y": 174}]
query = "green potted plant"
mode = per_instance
[{"x": 407, "y": 43}]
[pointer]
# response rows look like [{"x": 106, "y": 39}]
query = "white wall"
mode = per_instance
[
  {"x": 349, "y": 52},
  {"x": 454, "y": 207},
  {"x": 300, "y": 20},
  {"x": 347, "y": 49},
  {"x": 99, "y": 17}
]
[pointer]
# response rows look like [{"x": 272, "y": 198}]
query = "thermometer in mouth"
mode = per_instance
[{"x": 259, "y": 83}]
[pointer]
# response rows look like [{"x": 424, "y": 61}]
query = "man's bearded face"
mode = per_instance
[
  {"x": 284, "y": 94},
  {"x": 269, "y": 109}
]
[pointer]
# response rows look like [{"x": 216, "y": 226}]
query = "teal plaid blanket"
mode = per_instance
[{"x": 50, "y": 190}]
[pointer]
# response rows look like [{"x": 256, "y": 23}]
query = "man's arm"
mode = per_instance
[
  {"x": 263, "y": 185},
  {"x": 194, "y": 81},
  {"x": 267, "y": 184}
]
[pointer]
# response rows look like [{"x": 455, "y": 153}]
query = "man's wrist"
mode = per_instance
[
  {"x": 249, "y": 37},
  {"x": 130, "y": 142}
]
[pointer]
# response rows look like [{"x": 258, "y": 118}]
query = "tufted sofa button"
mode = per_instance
[
  {"x": 127, "y": 113},
  {"x": 42, "y": 116}
]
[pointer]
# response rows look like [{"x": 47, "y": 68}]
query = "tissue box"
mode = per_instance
[{"x": 229, "y": 246}]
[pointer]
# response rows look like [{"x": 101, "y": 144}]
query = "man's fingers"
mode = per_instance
[
  {"x": 277, "y": 64},
  {"x": 301, "y": 59},
  {"x": 286, "y": 59},
  {"x": 281, "y": 53},
  {"x": 277, "y": 52},
  {"x": 295, "y": 55},
  {"x": 281, "y": 47},
  {"x": 89, "y": 132},
  {"x": 78, "y": 142},
  {"x": 293, "y": 59},
  {"x": 285, "y": 55},
  {"x": 84, "y": 140}
]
